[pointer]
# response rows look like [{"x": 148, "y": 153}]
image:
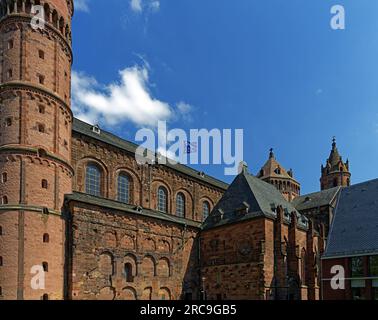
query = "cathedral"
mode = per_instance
[{"x": 75, "y": 202}]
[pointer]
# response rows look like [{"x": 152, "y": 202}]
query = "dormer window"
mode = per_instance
[
  {"x": 96, "y": 129},
  {"x": 278, "y": 170}
]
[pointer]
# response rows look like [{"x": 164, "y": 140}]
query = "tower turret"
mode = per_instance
[
  {"x": 335, "y": 172},
  {"x": 273, "y": 173},
  {"x": 35, "y": 144}
]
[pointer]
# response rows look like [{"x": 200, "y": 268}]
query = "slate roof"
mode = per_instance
[
  {"x": 111, "y": 139},
  {"x": 316, "y": 199},
  {"x": 127, "y": 208},
  {"x": 260, "y": 197},
  {"x": 354, "y": 230}
]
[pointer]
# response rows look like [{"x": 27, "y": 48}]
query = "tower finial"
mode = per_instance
[{"x": 271, "y": 154}]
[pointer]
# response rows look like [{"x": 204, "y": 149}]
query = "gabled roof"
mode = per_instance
[
  {"x": 354, "y": 230},
  {"x": 249, "y": 197},
  {"x": 316, "y": 199},
  {"x": 111, "y": 139},
  {"x": 127, "y": 208}
]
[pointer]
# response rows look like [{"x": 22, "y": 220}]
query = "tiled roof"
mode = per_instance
[
  {"x": 261, "y": 199},
  {"x": 127, "y": 208},
  {"x": 111, "y": 139},
  {"x": 316, "y": 199},
  {"x": 354, "y": 230}
]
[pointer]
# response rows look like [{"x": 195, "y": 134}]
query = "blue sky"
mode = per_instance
[{"x": 274, "y": 68}]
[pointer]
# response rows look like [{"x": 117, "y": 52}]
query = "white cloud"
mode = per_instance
[
  {"x": 82, "y": 5},
  {"x": 155, "y": 5},
  {"x": 136, "y": 5},
  {"x": 141, "y": 5},
  {"x": 184, "y": 110},
  {"x": 128, "y": 100}
]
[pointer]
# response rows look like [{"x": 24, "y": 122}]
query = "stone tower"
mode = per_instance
[
  {"x": 336, "y": 172},
  {"x": 273, "y": 173},
  {"x": 35, "y": 144}
]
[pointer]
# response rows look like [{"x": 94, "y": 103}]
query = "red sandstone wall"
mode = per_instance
[
  {"x": 35, "y": 145},
  {"x": 231, "y": 261},
  {"x": 145, "y": 180},
  {"x": 163, "y": 256}
]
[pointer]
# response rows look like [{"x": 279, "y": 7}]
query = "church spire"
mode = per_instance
[{"x": 335, "y": 172}]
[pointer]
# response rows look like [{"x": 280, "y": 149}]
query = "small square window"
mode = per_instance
[
  {"x": 41, "y": 79},
  {"x": 10, "y": 44},
  {"x": 45, "y": 184},
  {"x": 41, "y": 128},
  {"x": 41, "y": 109},
  {"x": 41, "y": 54}
]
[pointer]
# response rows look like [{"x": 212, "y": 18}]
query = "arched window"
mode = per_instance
[
  {"x": 4, "y": 177},
  {"x": 1, "y": 261},
  {"x": 205, "y": 210},
  {"x": 128, "y": 272},
  {"x": 4, "y": 200},
  {"x": 162, "y": 199},
  {"x": 335, "y": 182},
  {"x": 45, "y": 297},
  {"x": 46, "y": 238},
  {"x": 180, "y": 205},
  {"x": 45, "y": 266},
  {"x": 123, "y": 188},
  {"x": 93, "y": 180},
  {"x": 1, "y": 230}
]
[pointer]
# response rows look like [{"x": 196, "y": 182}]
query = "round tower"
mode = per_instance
[
  {"x": 336, "y": 172},
  {"x": 35, "y": 144},
  {"x": 273, "y": 173}
]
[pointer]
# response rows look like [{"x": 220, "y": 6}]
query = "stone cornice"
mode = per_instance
[
  {"x": 25, "y": 18},
  {"x": 33, "y": 151},
  {"x": 23, "y": 85},
  {"x": 23, "y": 207}
]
